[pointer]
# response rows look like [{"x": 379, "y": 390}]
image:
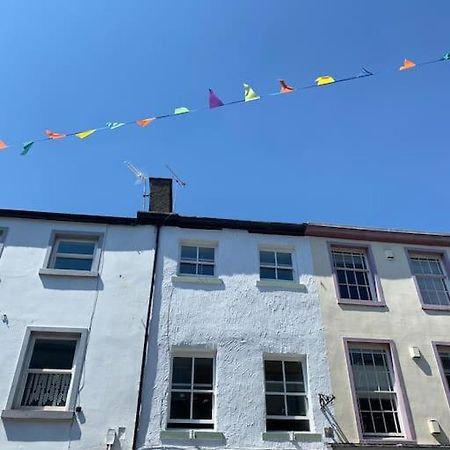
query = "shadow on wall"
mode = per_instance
[
  {"x": 71, "y": 283},
  {"x": 41, "y": 431}
]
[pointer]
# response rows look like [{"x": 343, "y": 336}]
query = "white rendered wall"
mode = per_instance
[
  {"x": 239, "y": 321},
  {"x": 402, "y": 320},
  {"x": 116, "y": 301}
]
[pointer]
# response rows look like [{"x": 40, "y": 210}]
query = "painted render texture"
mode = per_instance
[
  {"x": 403, "y": 321},
  {"x": 116, "y": 302},
  {"x": 240, "y": 323}
]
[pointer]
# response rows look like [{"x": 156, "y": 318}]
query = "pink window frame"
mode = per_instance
[
  {"x": 377, "y": 291},
  {"x": 436, "y": 345},
  {"x": 445, "y": 267},
  {"x": 399, "y": 385}
]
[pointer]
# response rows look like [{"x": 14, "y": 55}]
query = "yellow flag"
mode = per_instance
[
  {"x": 326, "y": 79},
  {"x": 249, "y": 93},
  {"x": 85, "y": 134}
]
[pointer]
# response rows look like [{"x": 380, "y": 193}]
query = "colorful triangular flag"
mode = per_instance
[
  {"x": 144, "y": 122},
  {"x": 250, "y": 94},
  {"x": 213, "y": 100},
  {"x": 407, "y": 64},
  {"x": 54, "y": 134},
  {"x": 181, "y": 110},
  {"x": 364, "y": 72},
  {"x": 85, "y": 134},
  {"x": 446, "y": 57},
  {"x": 114, "y": 125},
  {"x": 26, "y": 147},
  {"x": 3, "y": 145},
  {"x": 285, "y": 88},
  {"x": 326, "y": 79}
]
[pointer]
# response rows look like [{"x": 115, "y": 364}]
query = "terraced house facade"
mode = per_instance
[{"x": 169, "y": 331}]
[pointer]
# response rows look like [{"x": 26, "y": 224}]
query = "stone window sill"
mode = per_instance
[
  {"x": 368, "y": 303},
  {"x": 281, "y": 284},
  {"x": 435, "y": 307},
  {"x": 197, "y": 280},
  {"x": 192, "y": 435},
  {"x": 291, "y": 436},
  {"x": 68, "y": 273},
  {"x": 27, "y": 414}
]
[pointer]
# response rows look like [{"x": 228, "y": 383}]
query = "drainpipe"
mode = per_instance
[{"x": 146, "y": 340}]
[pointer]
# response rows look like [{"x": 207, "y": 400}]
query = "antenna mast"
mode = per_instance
[{"x": 141, "y": 178}]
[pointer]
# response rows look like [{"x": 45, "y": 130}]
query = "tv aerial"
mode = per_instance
[{"x": 141, "y": 178}]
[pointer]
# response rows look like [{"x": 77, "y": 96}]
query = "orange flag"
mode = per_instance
[
  {"x": 407, "y": 64},
  {"x": 285, "y": 88},
  {"x": 3, "y": 145},
  {"x": 54, "y": 135},
  {"x": 144, "y": 122}
]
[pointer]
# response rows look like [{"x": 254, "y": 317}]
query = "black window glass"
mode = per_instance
[
  {"x": 203, "y": 373},
  {"x": 181, "y": 373},
  {"x": 267, "y": 257},
  {"x": 53, "y": 354},
  {"x": 180, "y": 405},
  {"x": 188, "y": 252},
  {"x": 73, "y": 263},
  {"x": 202, "y": 406},
  {"x": 79, "y": 248},
  {"x": 206, "y": 254}
]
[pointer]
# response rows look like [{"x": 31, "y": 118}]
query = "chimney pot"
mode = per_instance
[{"x": 161, "y": 195}]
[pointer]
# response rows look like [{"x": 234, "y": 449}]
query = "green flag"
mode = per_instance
[{"x": 26, "y": 147}]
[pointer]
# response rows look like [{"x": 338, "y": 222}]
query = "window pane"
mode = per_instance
[
  {"x": 46, "y": 389},
  {"x": 293, "y": 371},
  {"x": 296, "y": 405},
  {"x": 287, "y": 425},
  {"x": 202, "y": 406},
  {"x": 284, "y": 259},
  {"x": 275, "y": 405},
  {"x": 343, "y": 291},
  {"x": 53, "y": 354},
  {"x": 285, "y": 274},
  {"x": 266, "y": 273},
  {"x": 203, "y": 373},
  {"x": 80, "y": 248},
  {"x": 273, "y": 370},
  {"x": 267, "y": 257},
  {"x": 180, "y": 403},
  {"x": 188, "y": 269},
  {"x": 206, "y": 254},
  {"x": 205, "y": 269},
  {"x": 181, "y": 373},
  {"x": 295, "y": 387},
  {"x": 274, "y": 386},
  {"x": 73, "y": 264},
  {"x": 188, "y": 252}
]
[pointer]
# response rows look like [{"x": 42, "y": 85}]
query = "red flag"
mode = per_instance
[
  {"x": 285, "y": 88},
  {"x": 144, "y": 122},
  {"x": 3, "y": 145},
  {"x": 54, "y": 135},
  {"x": 407, "y": 64}
]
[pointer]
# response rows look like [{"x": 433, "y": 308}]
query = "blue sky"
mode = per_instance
[{"x": 373, "y": 152}]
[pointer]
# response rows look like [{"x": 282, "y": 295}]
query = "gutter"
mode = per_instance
[{"x": 146, "y": 340}]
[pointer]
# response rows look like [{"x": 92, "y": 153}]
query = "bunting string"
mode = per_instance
[{"x": 215, "y": 102}]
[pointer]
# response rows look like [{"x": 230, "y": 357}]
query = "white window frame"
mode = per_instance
[
  {"x": 193, "y": 422},
  {"x": 14, "y": 408},
  {"x": 275, "y": 266},
  {"x": 283, "y": 359},
  {"x": 4, "y": 232},
  {"x": 197, "y": 262},
  {"x": 397, "y": 389},
  {"x": 75, "y": 236},
  {"x": 369, "y": 270},
  {"x": 440, "y": 256}
]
